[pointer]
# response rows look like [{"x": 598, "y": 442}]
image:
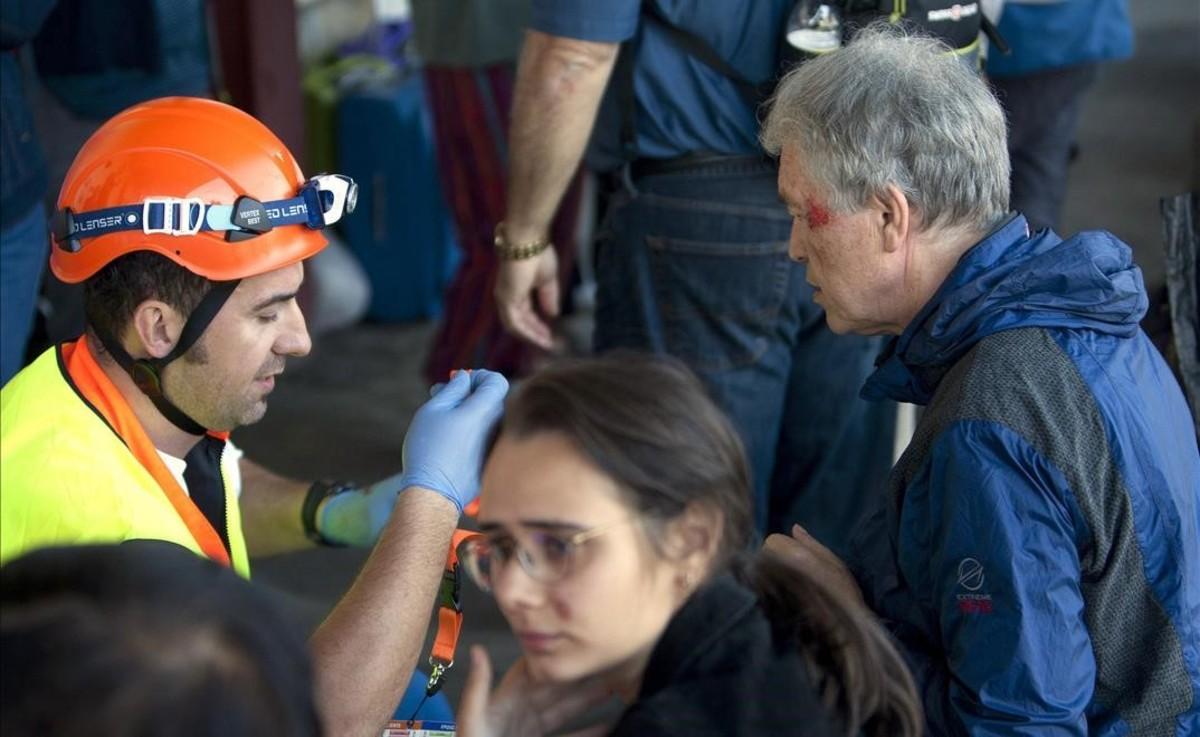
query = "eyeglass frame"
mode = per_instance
[{"x": 466, "y": 552}]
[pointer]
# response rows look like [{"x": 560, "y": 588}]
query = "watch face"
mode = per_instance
[
  {"x": 352, "y": 197},
  {"x": 814, "y": 41},
  {"x": 814, "y": 27}
]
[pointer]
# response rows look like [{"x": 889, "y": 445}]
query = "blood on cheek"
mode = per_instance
[{"x": 818, "y": 216}]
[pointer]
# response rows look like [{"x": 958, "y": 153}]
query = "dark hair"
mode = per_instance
[
  {"x": 113, "y": 293},
  {"x": 649, "y": 424},
  {"x": 146, "y": 638}
]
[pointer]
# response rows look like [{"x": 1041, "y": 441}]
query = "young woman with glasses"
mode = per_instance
[{"x": 616, "y": 533}]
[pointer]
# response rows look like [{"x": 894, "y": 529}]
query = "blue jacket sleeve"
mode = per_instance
[
  {"x": 610, "y": 21},
  {"x": 1003, "y": 572}
]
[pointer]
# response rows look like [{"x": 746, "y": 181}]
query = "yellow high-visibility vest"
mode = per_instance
[{"x": 76, "y": 467}]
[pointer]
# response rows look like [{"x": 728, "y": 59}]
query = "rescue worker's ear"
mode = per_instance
[
  {"x": 156, "y": 327},
  {"x": 894, "y": 217}
]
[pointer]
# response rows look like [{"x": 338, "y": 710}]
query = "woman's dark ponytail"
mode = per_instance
[{"x": 857, "y": 670}]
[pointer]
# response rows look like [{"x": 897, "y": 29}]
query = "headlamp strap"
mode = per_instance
[{"x": 175, "y": 216}]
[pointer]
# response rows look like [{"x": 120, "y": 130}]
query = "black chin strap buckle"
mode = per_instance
[{"x": 145, "y": 377}]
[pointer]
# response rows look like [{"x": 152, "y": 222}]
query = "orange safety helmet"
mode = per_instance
[{"x": 184, "y": 159}]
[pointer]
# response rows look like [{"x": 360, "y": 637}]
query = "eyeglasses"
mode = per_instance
[
  {"x": 320, "y": 202},
  {"x": 548, "y": 558}
]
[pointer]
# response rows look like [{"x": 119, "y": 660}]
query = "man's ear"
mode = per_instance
[
  {"x": 895, "y": 217},
  {"x": 155, "y": 327}
]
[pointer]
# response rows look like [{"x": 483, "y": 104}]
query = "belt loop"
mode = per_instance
[{"x": 627, "y": 179}]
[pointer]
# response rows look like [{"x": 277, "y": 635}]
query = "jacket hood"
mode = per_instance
[{"x": 1009, "y": 280}]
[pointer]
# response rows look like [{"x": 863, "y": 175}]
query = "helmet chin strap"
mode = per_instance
[{"x": 147, "y": 372}]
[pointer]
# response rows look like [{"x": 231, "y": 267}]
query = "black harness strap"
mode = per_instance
[
  {"x": 697, "y": 47},
  {"x": 689, "y": 43},
  {"x": 147, "y": 372}
]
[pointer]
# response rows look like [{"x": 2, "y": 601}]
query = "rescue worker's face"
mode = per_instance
[
  {"x": 596, "y": 607},
  {"x": 854, "y": 276},
  {"x": 224, "y": 380}
]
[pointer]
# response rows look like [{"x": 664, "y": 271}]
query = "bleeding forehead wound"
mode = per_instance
[{"x": 817, "y": 214}]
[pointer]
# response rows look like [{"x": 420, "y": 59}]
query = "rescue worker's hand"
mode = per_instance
[
  {"x": 521, "y": 707},
  {"x": 515, "y": 284},
  {"x": 819, "y": 561},
  {"x": 443, "y": 450}
]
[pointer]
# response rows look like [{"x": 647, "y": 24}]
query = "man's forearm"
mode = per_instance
[
  {"x": 366, "y": 650},
  {"x": 270, "y": 506},
  {"x": 559, "y": 86}
]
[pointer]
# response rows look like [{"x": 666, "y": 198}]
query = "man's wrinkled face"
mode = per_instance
[
  {"x": 846, "y": 263},
  {"x": 224, "y": 380}
]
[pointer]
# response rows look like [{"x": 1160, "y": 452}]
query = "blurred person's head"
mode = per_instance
[
  {"x": 146, "y": 639},
  {"x": 615, "y": 488},
  {"x": 893, "y": 161}
]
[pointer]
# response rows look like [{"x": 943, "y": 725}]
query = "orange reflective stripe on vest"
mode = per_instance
[{"x": 98, "y": 390}]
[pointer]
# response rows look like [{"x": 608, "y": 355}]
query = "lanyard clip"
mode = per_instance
[
  {"x": 449, "y": 626},
  {"x": 437, "y": 669}
]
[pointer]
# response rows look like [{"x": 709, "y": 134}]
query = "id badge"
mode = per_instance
[{"x": 396, "y": 728}]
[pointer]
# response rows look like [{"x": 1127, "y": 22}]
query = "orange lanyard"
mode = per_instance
[
  {"x": 97, "y": 390},
  {"x": 450, "y": 616}
]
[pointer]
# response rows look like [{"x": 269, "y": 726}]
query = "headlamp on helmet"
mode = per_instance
[{"x": 321, "y": 201}]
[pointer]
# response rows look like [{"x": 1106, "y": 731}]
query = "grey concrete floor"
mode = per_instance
[
  {"x": 342, "y": 411},
  {"x": 1139, "y": 137}
]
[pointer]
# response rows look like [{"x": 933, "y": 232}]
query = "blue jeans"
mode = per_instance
[
  {"x": 23, "y": 256},
  {"x": 695, "y": 265},
  {"x": 1043, "y": 112}
]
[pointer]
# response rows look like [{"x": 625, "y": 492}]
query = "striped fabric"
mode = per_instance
[{"x": 470, "y": 110}]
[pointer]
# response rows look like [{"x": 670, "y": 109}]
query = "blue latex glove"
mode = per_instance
[{"x": 443, "y": 450}]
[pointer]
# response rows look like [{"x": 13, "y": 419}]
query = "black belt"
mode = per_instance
[{"x": 695, "y": 162}]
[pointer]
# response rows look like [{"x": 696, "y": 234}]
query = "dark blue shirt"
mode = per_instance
[
  {"x": 683, "y": 105},
  {"x": 22, "y": 165}
]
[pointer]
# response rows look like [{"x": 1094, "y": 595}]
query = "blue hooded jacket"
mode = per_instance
[{"x": 1038, "y": 553}]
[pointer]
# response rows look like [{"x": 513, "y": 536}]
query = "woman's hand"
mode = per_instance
[
  {"x": 803, "y": 550},
  {"x": 521, "y": 707}
]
